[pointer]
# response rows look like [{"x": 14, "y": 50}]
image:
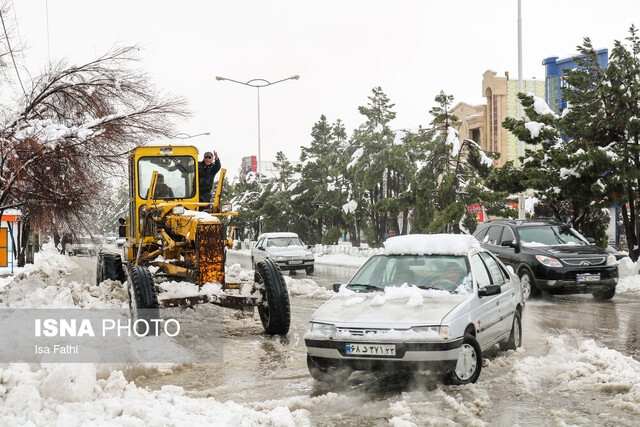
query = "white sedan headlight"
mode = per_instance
[
  {"x": 281, "y": 258},
  {"x": 323, "y": 329},
  {"x": 436, "y": 331}
]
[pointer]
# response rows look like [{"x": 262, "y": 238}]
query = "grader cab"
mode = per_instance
[{"x": 171, "y": 237}]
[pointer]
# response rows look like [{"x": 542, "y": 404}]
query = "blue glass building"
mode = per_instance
[{"x": 554, "y": 77}]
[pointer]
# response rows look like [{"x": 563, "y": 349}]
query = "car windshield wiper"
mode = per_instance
[{"x": 365, "y": 286}]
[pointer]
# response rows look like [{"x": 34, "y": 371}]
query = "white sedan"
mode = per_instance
[{"x": 429, "y": 302}]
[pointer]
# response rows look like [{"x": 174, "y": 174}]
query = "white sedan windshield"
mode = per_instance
[
  {"x": 283, "y": 242},
  {"x": 445, "y": 272}
]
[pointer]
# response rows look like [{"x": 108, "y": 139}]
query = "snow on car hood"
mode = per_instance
[{"x": 396, "y": 307}]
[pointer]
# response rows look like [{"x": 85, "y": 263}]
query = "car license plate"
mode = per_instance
[
  {"x": 371, "y": 349},
  {"x": 295, "y": 262},
  {"x": 586, "y": 277}
]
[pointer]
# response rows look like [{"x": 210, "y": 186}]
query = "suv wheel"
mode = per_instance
[
  {"x": 529, "y": 289},
  {"x": 605, "y": 295}
]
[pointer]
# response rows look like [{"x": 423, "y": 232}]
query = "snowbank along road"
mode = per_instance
[{"x": 579, "y": 365}]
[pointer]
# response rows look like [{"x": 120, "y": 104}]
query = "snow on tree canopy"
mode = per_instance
[
  {"x": 399, "y": 137},
  {"x": 355, "y": 157},
  {"x": 534, "y": 128},
  {"x": 452, "y": 139},
  {"x": 486, "y": 160},
  {"x": 350, "y": 207},
  {"x": 431, "y": 244},
  {"x": 541, "y": 106}
]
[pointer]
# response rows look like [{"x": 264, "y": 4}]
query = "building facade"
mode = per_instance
[
  {"x": 483, "y": 123},
  {"x": 554, "y": 77}
]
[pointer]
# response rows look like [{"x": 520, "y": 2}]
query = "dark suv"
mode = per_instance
[{"x": 550, "y": 256}]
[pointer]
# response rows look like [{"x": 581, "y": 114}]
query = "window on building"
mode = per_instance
[
  {"x": 552, "y": 88},
  {"x": 475, "y": 136}
]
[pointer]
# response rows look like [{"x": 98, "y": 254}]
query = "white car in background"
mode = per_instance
[
  {"x": 84, "y": 245},
  {"x": 285, "y": 249},
  {"x": 429, "y": 302}
]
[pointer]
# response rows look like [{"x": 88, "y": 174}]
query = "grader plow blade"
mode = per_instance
[{"x": 226, "y": 300}]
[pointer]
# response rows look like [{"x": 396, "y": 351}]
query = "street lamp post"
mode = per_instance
[
  {"x": 258, "y": 83},
  {"x": 521, "y": 211}
]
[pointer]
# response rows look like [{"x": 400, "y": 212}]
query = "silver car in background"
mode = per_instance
[{"x": 285, "y": 249}]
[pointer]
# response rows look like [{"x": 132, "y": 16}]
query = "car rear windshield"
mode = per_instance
[
  {"x": 445, "y": 272},
  {"x": 549, "y": 235}
]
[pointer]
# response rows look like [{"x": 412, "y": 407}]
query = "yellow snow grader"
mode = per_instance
[{"x": 171, "y": 237}]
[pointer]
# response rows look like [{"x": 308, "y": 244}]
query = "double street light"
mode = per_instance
[
  {"x": 258, "y": 83},
  {"x": 183, "y": 135}
]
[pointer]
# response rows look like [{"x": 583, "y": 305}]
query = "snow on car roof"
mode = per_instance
[
  {"x": 431, "y": 244},
  {"x": 278, "y": 234}
]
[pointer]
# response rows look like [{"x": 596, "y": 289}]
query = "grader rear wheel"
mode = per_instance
[
  {"x": 275, "y": 312},
  {"x": 109, "y": 267}
]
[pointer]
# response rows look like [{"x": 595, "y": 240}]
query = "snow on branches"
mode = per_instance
[{"x": 72, "y": 126}]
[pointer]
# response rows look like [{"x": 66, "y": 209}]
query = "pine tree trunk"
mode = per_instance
[
  {"x": 405, "y": 222},
  {"x": 629, "y": 222}
]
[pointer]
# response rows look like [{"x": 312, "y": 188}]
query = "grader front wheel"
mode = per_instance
[
  {"x": 143, "y": 299},
  {"x": 275, "y": 312}
]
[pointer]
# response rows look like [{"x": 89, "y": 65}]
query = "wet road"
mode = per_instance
[{"x": 267, "y": 372}]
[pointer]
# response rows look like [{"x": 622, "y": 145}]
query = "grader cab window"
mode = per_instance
[{"x": 178, "y": 176}]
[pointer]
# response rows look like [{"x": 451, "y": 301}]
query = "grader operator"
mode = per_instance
[{"x": 168, "y": 235}]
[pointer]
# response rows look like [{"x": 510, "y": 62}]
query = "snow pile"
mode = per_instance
[
  {"x": 43, "y": 285},
  {"x": 175, "y": 289},
  {"x": 628, "y": 278},
  {"x": 626, "y": 267},
  {"x": 587, "y": 367},
  {"x": 431, "y": 244},
  {"x": 307, "y": 288},
  {"x": 70, "y": 395},
  {"x": 235, "y": 274}
]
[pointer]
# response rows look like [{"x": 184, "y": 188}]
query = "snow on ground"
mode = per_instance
[
  {"x": 76, "y": 394},
  {"x": 629, "y": 279}
]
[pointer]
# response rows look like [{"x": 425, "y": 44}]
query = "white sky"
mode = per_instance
[{"x": 341, "y": 50}]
